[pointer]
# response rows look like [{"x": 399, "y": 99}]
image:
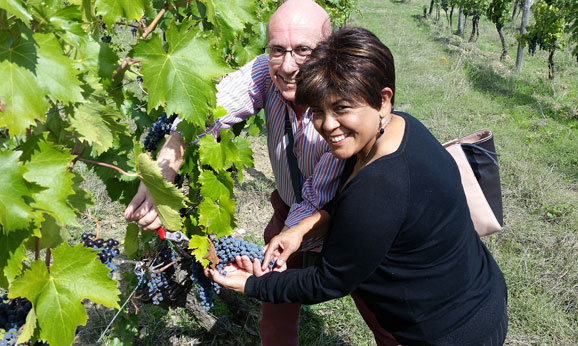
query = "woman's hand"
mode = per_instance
[
  {"x": 281, "y": 247},
  {"x": 238, "y": 272}
]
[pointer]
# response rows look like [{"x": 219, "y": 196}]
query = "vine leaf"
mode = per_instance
[
  {"x": 51, "y": 234},
  {"x": 29, "y": 327},
  {"x": 49, "y": 167},
  {"x": 57, "y": 295},
  {"x": 218, "y": 155},
  {"x": 200, "y": 246},
  {"x": 217, "y": 216},
  {"x": 230, "y": 16},
  {"x": 99, "y": 59},
  {"x": 180, "y": 77},
  {"x": 167, "y": 198},
  {"x": 15, "y": 213},
  {"x": 15, "y": 7},
  {"x": 131, "y": 240},
  {"x": 66, "y": 21},
  {"x": 111, "y": 10},
  {"x": 95, "y": 123},
  {"x": 212, "y": 187},
  {"x": 22, "y": 97},
  {"x": 12, "y": 256},
  {"x": 56, "y": 73}
]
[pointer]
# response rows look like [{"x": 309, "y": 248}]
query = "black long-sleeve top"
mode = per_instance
[{"x": 402, "y": 236}]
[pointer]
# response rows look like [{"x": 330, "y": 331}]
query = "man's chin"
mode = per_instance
[{"x": 288, "y": 94}]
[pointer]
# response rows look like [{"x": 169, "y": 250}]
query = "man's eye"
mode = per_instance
[
  {"x": 303, "y": 50},
  {"x": 277, "y": 50}
]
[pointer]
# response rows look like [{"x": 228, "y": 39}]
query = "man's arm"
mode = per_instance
[{"x": 141, "y": 208}]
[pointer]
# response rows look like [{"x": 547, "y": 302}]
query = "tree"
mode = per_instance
[
  {"x": 547, "y": 32},
  {"x": 525, "y": 19},
  {"x": 497, "y": 13}
]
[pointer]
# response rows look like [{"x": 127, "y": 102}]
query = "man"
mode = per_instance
[{"x": 268, "y": 82}]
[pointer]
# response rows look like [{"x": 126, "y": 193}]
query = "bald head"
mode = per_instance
[{"x": 301, "y": 14}]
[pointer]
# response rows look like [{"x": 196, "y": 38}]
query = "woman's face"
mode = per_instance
[{"x": 349, "y": 127}]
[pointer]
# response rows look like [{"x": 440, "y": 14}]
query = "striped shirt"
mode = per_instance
[{"x": 244, "y": 93}]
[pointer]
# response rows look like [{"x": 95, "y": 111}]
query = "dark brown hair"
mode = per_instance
[{"x": 351, "y": 63}]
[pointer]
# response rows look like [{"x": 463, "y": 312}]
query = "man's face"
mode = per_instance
[{"x": 290, "y": 35}]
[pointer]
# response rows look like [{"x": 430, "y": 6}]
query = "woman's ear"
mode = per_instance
[{"x": 386, "y": 95}]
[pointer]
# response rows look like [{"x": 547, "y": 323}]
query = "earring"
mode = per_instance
[{"x": 381, "y": 131}]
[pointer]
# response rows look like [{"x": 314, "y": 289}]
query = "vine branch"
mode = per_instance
[
  {"x": 97, "y": 225},
  {"x": 154, "y": 23},
  {"x": 126, "y": 62},
  {"x": 110, "y": 166}
]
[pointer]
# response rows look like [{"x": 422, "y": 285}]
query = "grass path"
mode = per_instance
[{"x": 456, "y": 87}]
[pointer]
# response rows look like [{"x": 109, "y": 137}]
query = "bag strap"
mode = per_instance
[{"x": 292, "y": 160}]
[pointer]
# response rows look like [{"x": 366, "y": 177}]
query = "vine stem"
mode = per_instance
[
  {"x": 97, "y": 225},
  {"x": 126, "y": 62},
  {"x": 154, "y": 23},
  {"x": 47, "y": 257},
  {"x": 127, "y": 24},
  {"x": 110, "y": 166}
]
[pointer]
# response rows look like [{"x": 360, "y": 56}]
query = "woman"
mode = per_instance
[{"x": 400, "y": 233}]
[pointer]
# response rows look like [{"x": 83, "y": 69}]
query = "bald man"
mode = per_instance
[{"x": 268, "y": 82}]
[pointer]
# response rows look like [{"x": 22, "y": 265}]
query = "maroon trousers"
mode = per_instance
[{"x": 279, "y": 323}]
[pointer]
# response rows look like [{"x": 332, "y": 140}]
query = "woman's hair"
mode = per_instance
[{"x": 351, "y": 63}]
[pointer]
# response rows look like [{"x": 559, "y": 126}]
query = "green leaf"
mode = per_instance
[
  {"x": 112, "y": 10},
  {"x": 211, "y": 186},
  {"x": 75, "y": 274},
  {"x": 15, "y": 213},
  {"x": 29, "y": 327},
  {"x": 245, "y": 152},
  {"x": 65, "y": 22},
  {"x": 97, "y": 58},
  {"x": 51, "y": 235},
  {"x": 20, "y": 94},
  {"x": 12, "y": 256},
  {"x": 49, "y": 167},
  {"x": 131, "y": 240},
  {"x": 230, "y": 16},
  {"x": 200, "y": 245},
  {"x": 167, "y": 198},
  {"x": 217, "y": 216},
  {"x": 180, "y": 77},
  {"x": 81, "y": 199},
  {"x": 218, "y": 155},
  {"x": 15, "y": 7},
  {"x": 56, "y": 74},
  {"x": 96, "y": 124}
]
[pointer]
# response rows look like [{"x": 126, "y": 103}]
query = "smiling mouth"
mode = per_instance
[
  {"x": 335, "y": 139},
  {"x": 287, "y": 81}
]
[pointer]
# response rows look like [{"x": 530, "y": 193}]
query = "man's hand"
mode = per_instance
[
  {"x": 281, "y": 247},
  {"x": 142, "y": 210}
]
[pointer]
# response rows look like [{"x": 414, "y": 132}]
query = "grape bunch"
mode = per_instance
[
  {"x": 158, "y": 130},
  {"x": 12, "y": 316},
  {"x": 227, "y": 248},
  {"x": 107, "y": 249},
  {"x": 156, "y": 285},
  {"x": 205, "y": 286}
]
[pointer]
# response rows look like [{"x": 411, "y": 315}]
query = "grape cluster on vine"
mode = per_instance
[
  {"x": 227, "y": 248},
  {"x": 157, "y": 282},
  {"x": 12, "y": 316},
  {"x": 204, "y": 285},
  {"x": 108, "y": 249},
  {"x": 158, "y": 130}
]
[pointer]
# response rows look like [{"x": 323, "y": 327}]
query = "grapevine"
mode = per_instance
[{"x": 81, "y": 81}]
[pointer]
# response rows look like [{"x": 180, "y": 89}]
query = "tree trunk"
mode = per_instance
[
  {"x": 515, "y": 9},
  {"x": 504, "y": 49},
  {"x": 438, "y": 11},
  {"x": 451, "y": 17},
  {"x": 475, "y": 30},
  {"x": 525, "y": 19},
  {"x": 461, "y": 23},
  {"x": 431, "y": 7},
  {"x": 551, "y": 66}
]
